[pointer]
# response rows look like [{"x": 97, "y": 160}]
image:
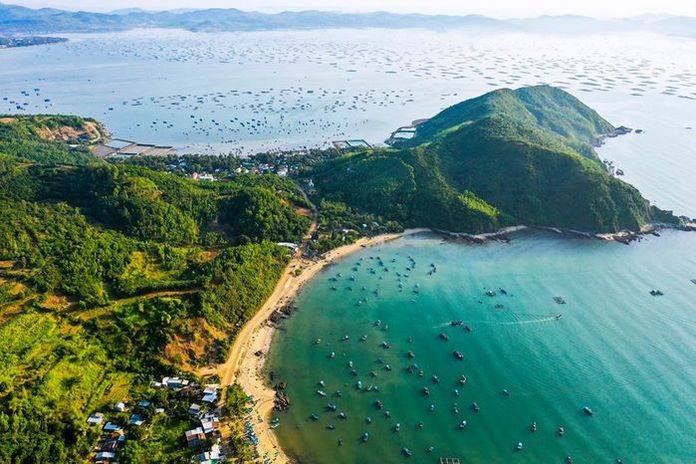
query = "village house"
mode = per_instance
[
  {"x": 194, "y": 409},
  {"x": 210, "y": 423},
  {"x": 211, "y": 457},
  {"x": 210, "y": 394},
  {"x": 137, "y": 420},
  {"x": 195, "y": 437},
  {"x": 120, "y": 406},
  {"x": 105, "y": 456},
  {"x": 95, "y": 418},
  {"x": 111, "y": 427}
]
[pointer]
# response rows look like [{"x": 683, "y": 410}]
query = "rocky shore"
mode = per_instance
[{"x": 623, "y": 236}]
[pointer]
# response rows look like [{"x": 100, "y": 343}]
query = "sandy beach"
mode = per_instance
[{"x": 245, "y": 367}]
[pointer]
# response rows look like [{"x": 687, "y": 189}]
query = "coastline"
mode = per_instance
[
  {"x": 249, "y": 351},
  {"x": 247, "y": 356}
]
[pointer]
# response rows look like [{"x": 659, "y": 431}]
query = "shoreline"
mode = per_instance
[
  {"x": 247, "y": 357},
  {"x": 248, "y": 354}
]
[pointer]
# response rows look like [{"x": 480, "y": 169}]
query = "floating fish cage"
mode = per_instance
[{"x": 450, "y": 461}]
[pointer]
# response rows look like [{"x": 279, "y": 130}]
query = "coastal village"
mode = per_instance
[{"x": 204, "y": 411}]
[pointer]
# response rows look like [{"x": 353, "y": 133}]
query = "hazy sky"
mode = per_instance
[{"x": 498, "y": 8}]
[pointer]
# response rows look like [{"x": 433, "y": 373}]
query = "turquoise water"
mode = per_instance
[{"x": 629, "y": 356}]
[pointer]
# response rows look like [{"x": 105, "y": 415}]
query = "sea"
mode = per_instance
[
  {"x": 244, "y": 92},
  {"x": 555, "y": 324},
  {"x": 549, "y": 326}
]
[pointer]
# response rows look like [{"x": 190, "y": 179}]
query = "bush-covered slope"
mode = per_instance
[
  {"x": 536, "y": 182},
  {"x": 48, "y": 139},
  {"x": 405, "y": 186},
  {"x": 507, "y": 157},
  {"x": 557, "y": 114},
  {"x": 112, "y": 275}
]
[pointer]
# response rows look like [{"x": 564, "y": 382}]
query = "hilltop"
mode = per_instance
[{"x": 508, "y": 157}]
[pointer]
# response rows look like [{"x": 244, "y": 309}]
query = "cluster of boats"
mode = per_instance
[{"x": 411, "y": 367}]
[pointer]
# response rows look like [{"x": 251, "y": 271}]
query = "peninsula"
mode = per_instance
[{"x": 134, "y": 301}]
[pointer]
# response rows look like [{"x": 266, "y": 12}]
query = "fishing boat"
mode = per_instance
[
  {"x": 458, "y": 355},
  {"x": 587, "y": 411},
  {"x": 533, "y": 426},
  {"x": 462, "y": 424},
  {"x": 519, "y": 446},
  {"x": 365, "y": 437}
]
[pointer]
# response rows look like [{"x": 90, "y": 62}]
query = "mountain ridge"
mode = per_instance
[{"x": 22, "y": 20}]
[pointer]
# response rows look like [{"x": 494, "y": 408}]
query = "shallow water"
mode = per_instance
[{"x": 628, "y": 355}]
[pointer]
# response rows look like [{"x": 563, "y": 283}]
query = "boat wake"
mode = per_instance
[{"x": 523, "y": 319}]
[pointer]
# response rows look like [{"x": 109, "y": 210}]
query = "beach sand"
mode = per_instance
[{"x": 245, "y": 367}]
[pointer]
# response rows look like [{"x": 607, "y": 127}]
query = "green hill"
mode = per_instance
[
  {"x": 48, "y": 139},
  {"x": 558, "y": 115},
  {"x": 507, "y": 157},
  {"x": 113, "y": 275}
]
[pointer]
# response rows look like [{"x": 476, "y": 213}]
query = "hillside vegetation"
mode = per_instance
[
  {"x": 48, "y": 139},
  {"x": 508, "y": 157},
  {"x": 112, "y": 275}
]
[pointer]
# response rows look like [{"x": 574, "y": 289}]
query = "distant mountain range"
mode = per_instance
[{"x": 20, "y": 20}]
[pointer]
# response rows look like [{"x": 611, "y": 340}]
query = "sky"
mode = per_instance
[{"x": 495, "y": 8}]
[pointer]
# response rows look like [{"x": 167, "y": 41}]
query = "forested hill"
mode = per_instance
[
  {"x": 508, "y": 157},
  {"x": 557, "y": 115},
  {"x": 114, "y": 275}
]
